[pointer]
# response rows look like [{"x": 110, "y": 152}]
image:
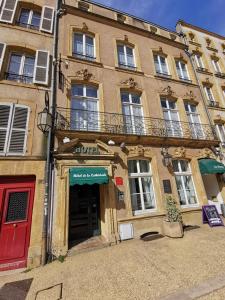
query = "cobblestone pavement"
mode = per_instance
[{"x": 136, "y": 270}]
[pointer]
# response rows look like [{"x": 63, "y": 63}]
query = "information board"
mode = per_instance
[{"x": 211, "y": 216}]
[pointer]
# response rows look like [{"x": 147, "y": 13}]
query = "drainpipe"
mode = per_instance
[{"x": 48, "y": 200}]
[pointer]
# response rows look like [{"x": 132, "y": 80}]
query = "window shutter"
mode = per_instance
[
  {"x": 5, "y": 117},
  {"x": 18, "y": 135},
  {"x": 2, "y": 53},
  {"x": 8, "y": 11},
  {"x": 47, "y": 18},
  {"x": 41, "y": 68}
]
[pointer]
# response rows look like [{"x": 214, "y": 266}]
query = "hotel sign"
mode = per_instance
[{"x": 87, "y": 150}]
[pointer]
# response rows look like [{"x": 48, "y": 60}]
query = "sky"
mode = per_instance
[{"x": 208, "y": 14}]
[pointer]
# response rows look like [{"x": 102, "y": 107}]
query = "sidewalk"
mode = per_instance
[{"x": 133, "y": 270}]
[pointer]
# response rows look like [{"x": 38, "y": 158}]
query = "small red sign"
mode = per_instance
[{"x": 119, "y": 180}]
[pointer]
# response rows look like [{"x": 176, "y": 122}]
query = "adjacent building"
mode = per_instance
[{"x": 25, "y": 58}]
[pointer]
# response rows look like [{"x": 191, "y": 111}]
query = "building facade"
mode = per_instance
[
  {"x": 207, "y": 50},
  {"x": 25, "y": 53},
  {"x": 131, "y": 128}
]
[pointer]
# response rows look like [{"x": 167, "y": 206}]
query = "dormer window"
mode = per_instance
[
  {"x": 83, "y": 6},
  {"x": 121, "y": 18},
  {"x": 29, "y": 19}
]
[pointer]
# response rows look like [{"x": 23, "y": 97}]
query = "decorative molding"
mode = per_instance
[
  {"x": 173, "y": 36},
  {"x": 104, "y": 147},
  {"x": 190, "y": 96},
  {"x": 140, "y": 150},
  {"x": 153, "y": 29},
  {"x": 167, "y": 91},
  {"x": 84, "y": 27},
  {"x": 206, "y": 153},
  {"x": 131, "y": 83},
  {"x": 63, "y": 148},
  {"x": 179, "y": 152},
  {"x": 126, "y": 38},
  {"x": 84, "y": 74},
  {"x": 207, "y": 82}
]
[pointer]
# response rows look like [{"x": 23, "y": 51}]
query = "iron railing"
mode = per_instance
[
  {"x": 84, "y": 56},
  {"x": 92, "y": 121},
  {"x": 19, "y": 78},
  {"x": 127, "y": 66},
  {"x": 27, "y": 25}
]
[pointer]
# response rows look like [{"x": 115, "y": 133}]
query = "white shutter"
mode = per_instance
[
  {"x": 8, "y": 11},
  {"x": 41, "y": 68},
  {"x": 5, "y": 122},
  {"x": 2, "y": 53},
  {"x": 47, "y": 18},
  {"x": 18, "y": 132}
]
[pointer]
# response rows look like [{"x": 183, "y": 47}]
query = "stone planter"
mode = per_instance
[{"x": 173, "y": 229}]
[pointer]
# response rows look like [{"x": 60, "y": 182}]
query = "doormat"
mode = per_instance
[{"x": 15, "y": 290}]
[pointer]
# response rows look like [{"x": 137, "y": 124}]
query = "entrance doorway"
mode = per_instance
[
  {"x": 16, "y": 204},
  {"x": 84, "y": 213},
  {"x": 212, "y": 191}
]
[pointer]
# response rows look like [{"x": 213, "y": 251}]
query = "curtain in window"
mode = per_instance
[
  {"x": 89, "y": 46},
  {"x": 78, "y": 43},
  {"x": 130, "y": 57}
]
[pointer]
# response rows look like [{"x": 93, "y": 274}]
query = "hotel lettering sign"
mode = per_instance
[{"x": 87, "y": 150}]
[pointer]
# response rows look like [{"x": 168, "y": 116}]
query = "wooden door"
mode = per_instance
[{"x": 16, "y": 203}]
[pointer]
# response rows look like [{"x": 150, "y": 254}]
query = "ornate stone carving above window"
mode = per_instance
[
  {"x": 84, "y": 27},
  {"x": 130, "y": 83},
  {"x": 190, "y": 96},
  {"x": 207, "y": 82},
  {"x": 206, "y": 153},
  {"x": 179, "y": 152},
  {"x": 167, "y": 91},
  {"x": 139, "y": 150},
  {"x": 84, "y": 75}
]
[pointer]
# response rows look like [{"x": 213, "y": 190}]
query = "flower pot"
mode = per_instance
[{"x": 173, "y": 229}]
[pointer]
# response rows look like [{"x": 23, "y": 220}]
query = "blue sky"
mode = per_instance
[{"x": 208, "y": 14}]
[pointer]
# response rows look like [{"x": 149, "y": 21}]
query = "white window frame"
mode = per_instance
[
  {"x": 216, "y": 65},
  {"x": 31, "y": 12},
  {"x": 191, "y": 114},
  {"x": 42, "y": 19},
  {"x": 139, "y": 176},
  {"x": 182, "y": 174},
  {"x": 13, "y": 14},
  {"x": 181, "y": 70},
  {"x": 84, "y": 35},
  {"x": 10, "y": 130},
  {"x": 43, "y": 67},
  {"x": 130, "y": 104},
  {"x": 199, "y": 61},
  {"x": 125, "y": 56},
  {"x": 160, "y": 65},
  {"x": 3, "y": 55},
  {"x": 168, "y": 109},
  {"x": 219, "y": 132},
  {"x": 212, "y": 99}
]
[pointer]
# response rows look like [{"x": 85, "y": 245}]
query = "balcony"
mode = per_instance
[{"x": 106, "y": 124}]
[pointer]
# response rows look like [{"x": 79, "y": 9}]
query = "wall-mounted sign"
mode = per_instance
[
  {"x": 211, "y": 216},
  {"x": 119, "y": 180},
  {"x": 167, "y": 186},
  {"x": 87, "y": 150}
]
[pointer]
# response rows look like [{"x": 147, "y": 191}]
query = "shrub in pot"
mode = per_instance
[{"x": 173, "y": 224}]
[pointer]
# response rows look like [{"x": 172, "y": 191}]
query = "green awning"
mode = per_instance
[
  {"x": 88, "y": 176},
  {"x": 211, "y": 166}
]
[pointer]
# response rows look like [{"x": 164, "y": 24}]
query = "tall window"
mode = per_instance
[
  {"x": 132, "y": 113},
  {"x": 29, "y": 19},
  {"x": 194, "y": 121},
  {"x": 13, "y": 129},
  {"x": 141, "y": 186},
  {"x": 126, "y": 57},
  {"x": 21, "y": 68},
  {"x": 182, "y": 70},
  {"x": 161, "y": 65},
  {"x": 83, "y": 46},
  {"x": 221, "y": 133},
  {"x": 171, "y": 117},
  {"x": 184, "y": 182},
  {"x": 199, "y": 62},
  {"x": 210, "y": 96},
  {"x": 216, "y": 65},
  {"x": 84, "y": 108}
]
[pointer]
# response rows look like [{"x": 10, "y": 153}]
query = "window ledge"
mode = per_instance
[
  {"x": 85, "y": 61},
  {"x": 20, "y": 28},
  {"x": 175, "y": 80},
  {"x": 204, "y": 71},
  {"x": 164, "y": 76},
  {"x": 21, "y": 84},
  {"x": 212, "y": 49},
  {"x": 143, "y": 216},
  {"x": 195, "y": 43},
  {"x": 220, "y": 75},
  {"x": 129, "y": 71}
]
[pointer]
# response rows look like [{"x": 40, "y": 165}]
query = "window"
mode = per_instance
[
  {"x": 161, "y": 65},
  {"x": 184, "y": 182},
  {"x": 194, "y": 121},
  {"x": 216, "y": 65},
  {"x": 132, "y": 113},
  {"x": 13, "y": 129},
  {"x": 21, "y": 68},
  {"x": 126, "y": 57},
  {"x": 199, "y": 62},
  {"x": 182, "y": 70},
  {"x": 84, "y": 108},
  {"x": 221, "y": 133},
  {"x": 29, "y": 19},
  {"x": 210, "y": 96},
  {"x": 83, "y": 46},
  {"x": 171, "y": 117},
  {"x": 141, "y": 186}
]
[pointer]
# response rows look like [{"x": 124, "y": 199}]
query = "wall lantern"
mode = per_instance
[
  {"x": 167, "y": 158},
  {"x": 44, "y": 122}
]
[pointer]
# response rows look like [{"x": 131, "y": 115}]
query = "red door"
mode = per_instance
[{"x": 16, "y": 203}]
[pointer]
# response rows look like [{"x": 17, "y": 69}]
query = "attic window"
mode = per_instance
[
  {"x": 121, "y": 18},
  {"x": 83, "y": 6}
]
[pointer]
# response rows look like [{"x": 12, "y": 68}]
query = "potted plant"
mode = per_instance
[{"x": 173, "y": 224}]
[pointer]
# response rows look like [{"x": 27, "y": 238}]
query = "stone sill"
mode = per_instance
[{"x": 84, "y": 61}]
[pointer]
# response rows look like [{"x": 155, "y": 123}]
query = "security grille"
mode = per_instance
[{"x": 17, "y": 206}]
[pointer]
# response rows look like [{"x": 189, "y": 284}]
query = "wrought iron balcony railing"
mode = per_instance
[
  {"x": 19, "y": 78},
  {"x": 92, "y": 121}
]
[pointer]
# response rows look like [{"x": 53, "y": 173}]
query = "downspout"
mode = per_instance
[{"x": 47, "y": 232}]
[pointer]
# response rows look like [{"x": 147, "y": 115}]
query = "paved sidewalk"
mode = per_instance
[{"x": 135, "y": 270}]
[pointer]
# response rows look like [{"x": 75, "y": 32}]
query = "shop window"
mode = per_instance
[
  {"x": 141, "y": 186},
  {"x": 182, "y": 70},
  {"x": 13, "y": 129},
  {"x": 84, "y": 46},
  {"x": 29, "y": 19},
  {"x": 84, "y": 108},
  {"x": 171, "y": 117},
  {"x": 184, "y": 182},
  {"x": 132, "y": 113},
  {"x": 194, "y": 121},
  {"x": 161, "y": 66},
  {"x": 126, "y": 58}
]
